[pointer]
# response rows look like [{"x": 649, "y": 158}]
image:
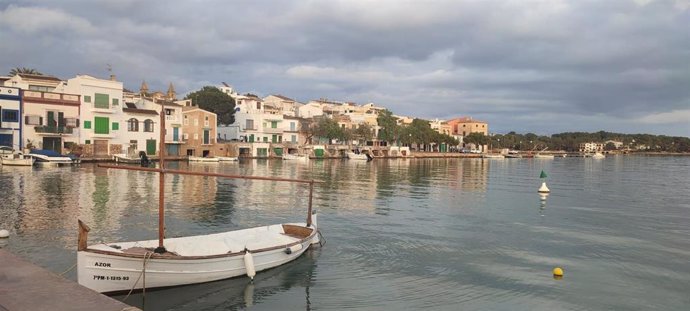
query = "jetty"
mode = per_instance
[{"x": 25, "y": 286}]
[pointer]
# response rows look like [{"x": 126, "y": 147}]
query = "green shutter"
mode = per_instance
[
  {"x": 101, "y": 125},
  {"x": 278, "y": 151},
  {"x": 87, "y": 98},
  {"x": 116, "y": 126},
  {"x": 251, "y": 138},
  {"x": 102, "y": 101},
  {"x": 88, "y": 142},
  {"x": 151, "y": 146},
  {"x": 274, "y": 124},
  {"x": 318, "y": 153},
  {"x": 115, "y": 102},
  {"x": 87, "y": 124}
]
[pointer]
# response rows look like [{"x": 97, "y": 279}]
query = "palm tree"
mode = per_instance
[{"x": 26, "y": 70}]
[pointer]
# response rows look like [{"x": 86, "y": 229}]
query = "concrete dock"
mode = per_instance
[{"x": 25, "y": 286}]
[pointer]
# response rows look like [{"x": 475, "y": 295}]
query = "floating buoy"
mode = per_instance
[
  {"x": 249, "y": 264},
  {"x": 557, "y": 272},
  {"x": 543, "y": 188},
  {"x": 4, "y": 234}
]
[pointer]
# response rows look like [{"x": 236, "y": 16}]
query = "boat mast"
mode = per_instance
[{"x": 161, "y": 183}]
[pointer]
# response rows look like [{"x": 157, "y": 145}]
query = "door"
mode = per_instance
[
  {"x": 150, "y": 146},
  {"x": 206, "y": 137},
  {"x": 176, "y": 134},
  {"x": 52, "y": 143}
]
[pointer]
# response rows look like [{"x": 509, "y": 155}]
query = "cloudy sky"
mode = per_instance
[{"x": 543, "y": 66}]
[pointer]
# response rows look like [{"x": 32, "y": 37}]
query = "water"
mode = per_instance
[{"x": 435, "y": 234}]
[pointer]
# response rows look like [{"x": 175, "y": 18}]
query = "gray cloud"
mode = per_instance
[{"x": 541, "y": 66}]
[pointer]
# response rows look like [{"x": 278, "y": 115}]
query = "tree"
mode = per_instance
[
  {"x": 389, "y": 129},
  {"x": 363, "y": 132},
  {"x": 476, "y": 139},
  {"x": 212, "y": 99},
  {"x": 328, "y": 128},
  {"x": 17, "y": 70}
]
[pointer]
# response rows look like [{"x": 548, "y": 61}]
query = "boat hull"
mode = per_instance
[
  {"x": 357, "y": 156},
  {"x": 295, "y": 157},
  {"x": 17, "y": 162},
  {"x": 107, "y": 270},
  {"x": 202, "y": 159},
  {"x": 227, "y": 159}
]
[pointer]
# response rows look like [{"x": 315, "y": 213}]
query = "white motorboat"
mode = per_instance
[
  {"x": 127, "y": 266},
  {"x": 50, "y": 158},
  {"x": 227, "y": 159},
  {"x": 358, "y": 156},
  {"x": 203, "y": 159},
  {"x": 292, "y": 156},
  {"x": 598, "y": 155}
]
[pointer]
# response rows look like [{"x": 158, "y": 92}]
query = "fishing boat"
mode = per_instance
[
  {"x": 203, "y": 159},
  {"x": 543, "y": 156},
  {"x": 358, "y": 156},
  {"x": 16, "y": 159},
  {"x": 292, "y": 156},
  {"x": 227, "y": 159},
  {"x": 126, "y": 266},
  {"x": 124, "y": 158}
]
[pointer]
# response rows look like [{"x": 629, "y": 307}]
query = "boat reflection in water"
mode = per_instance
[{"x": 231, "y": 294}]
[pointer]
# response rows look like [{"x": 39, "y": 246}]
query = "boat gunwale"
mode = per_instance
[{"x": 181, "y": 257}]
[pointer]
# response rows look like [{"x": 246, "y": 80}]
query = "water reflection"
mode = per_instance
[{"x": 233, "y": 294}]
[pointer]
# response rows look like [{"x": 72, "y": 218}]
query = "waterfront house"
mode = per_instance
[
  {"x": 11, "y": 118},
  {"x": 51, "y": 120},
  {"x": 591, "y": 147},
  {"x": 33, "y": 82},
  {"x": 466, "y": 125},
  {"x": 101, "y": 112},
  {"x": 254, "y": 122},
  {"x": 200, "y": 131}
]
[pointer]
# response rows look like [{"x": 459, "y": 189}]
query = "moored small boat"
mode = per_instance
[
  {"x": 543, "y": 156},
  {"x": 203, "y": 159},
  {"x": 598, "y": 155},
  {"x": 358, "y": 156},
  {"x": 292, "y": 156},
  {"x": 492, "y": 156},
  {"x": 52, "y": 158},
  {"x": 16, "y": 159},
  {"x": 227, "y": 159},
  {"x": 124, "y": 158}
]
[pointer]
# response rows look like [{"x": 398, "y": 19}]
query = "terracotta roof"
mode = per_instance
[
  {"x": 39, "y": 77},
  {"x": 142, "y": 111}
]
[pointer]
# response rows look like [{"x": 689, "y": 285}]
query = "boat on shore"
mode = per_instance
[
  {"x": 127, "y": 266},
  {"x": 203, "y": 159},
  {"x": 227, "y": 159},
  {"x": 598, "y": 155}
]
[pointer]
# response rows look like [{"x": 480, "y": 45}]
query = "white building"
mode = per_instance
[
  {"x": 253, "y": 123},
  {"x": 101, "y": 111},
  {"x": 51, "y": 120},
  {"x": 286, "y": 105},
  {"x": 591, "y": 147},
  {"x": 310, "y": 110}
]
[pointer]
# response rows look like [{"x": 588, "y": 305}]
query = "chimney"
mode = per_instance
[{"x": 112, "y": 77}]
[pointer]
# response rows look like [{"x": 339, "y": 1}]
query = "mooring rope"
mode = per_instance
[
  {"x": 147, "y": 256},
  {"x": 68, "y": 270},
  {"x": 322, "y": 240}
]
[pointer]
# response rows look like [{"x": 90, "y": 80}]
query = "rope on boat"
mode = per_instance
[
  {"x": 322, "y": 240},
  {"x": 68, "y": 270},
  {"x": 147, "y": 256}
]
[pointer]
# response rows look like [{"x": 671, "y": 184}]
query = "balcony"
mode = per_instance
[
  {"x": 273, "y": 130},
  {"x": 171, "y": 118},
  {"x": 53, "y": 130}
]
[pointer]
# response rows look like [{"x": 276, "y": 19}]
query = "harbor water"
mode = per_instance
[{"x": 403, "y": 234}]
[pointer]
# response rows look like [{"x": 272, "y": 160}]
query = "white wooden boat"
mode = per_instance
[
  {"x": 492, "y": 156},
  {"x": 124, "y": 158},
  {"x": 16, "y": 159},
  {"x": 358, "y": 156},
  {"x": 203, "y": 159},
  {"x": 598, "y": 155},
  {"x": 290, "y": 156},
  {"x": 127, "y": 266},
  {"x": 227, "y": 159}
]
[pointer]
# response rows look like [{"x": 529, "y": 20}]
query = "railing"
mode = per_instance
[{"x": 54, "y": 129}]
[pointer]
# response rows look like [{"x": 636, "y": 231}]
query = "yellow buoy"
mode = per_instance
[{"x": 557, "y": 272}]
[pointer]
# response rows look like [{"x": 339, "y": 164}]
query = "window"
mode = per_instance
[
  {"x": 9, "y": 115},
  {"x": 148, "y": 125},
  {"x": 206, "y": 121},
  {"x": 258, "y": 105},
  {"x": 265, "y": 139},
  {"x": 87, "y": 124},
  {"x": 168, "y": 112},
  {"x": 101, "y": 101},
  {"x": 87, "y": 98},
  {"x": 186, "y": 120},
  {"x": 72, "y": 122},
  {"x": 133, "y": 125},
  {"x": 40, "y": 88},
  {"x": 88, "y": 142},
  {"x": 116, "y": 126},
  {"x": 196, "y": 136},
  {"x": 116, "y": 101},
  {"x": 249, "y": 124},
  {"x": 196, "y": 122},
  {"x": 185, "y": 136},
  {"x": 293, "y": 138},
  {"x": 101, "y": 125},
  {"x": 292, "y": 126},
  {"x": 274, "y": 124},
  {"x": 33, "y": 120}
]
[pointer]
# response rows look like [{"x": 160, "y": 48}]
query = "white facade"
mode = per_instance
[
  {"x": 101, "y": 111},
  {"x": 253, "y": 123},
  {"x": 51, "y": 120},
  {"x": 310, "y": 110},
  {"x": 11, "y": 118},
  {"x": 287, "y": 106},
  {"x": 591, "y": 147}
]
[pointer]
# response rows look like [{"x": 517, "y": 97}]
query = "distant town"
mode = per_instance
[{"x": 97, "y": 118}]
